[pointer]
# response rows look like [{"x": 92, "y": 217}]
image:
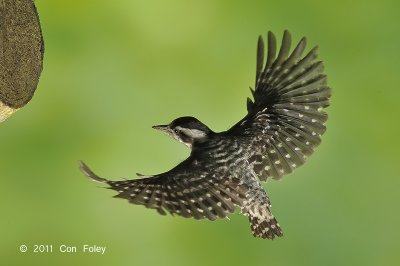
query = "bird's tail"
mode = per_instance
[{"x": 264, "y": 226}]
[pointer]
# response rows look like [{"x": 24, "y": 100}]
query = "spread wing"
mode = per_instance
[
  {"x": 188, "y": 190},
  {"x": 286, "y": 119}
]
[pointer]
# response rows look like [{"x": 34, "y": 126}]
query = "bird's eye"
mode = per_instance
[{"x": 176, "y": 131}]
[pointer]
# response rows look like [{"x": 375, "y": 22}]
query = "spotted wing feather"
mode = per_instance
[
  {"x": 286, "y": 120},
  {"x": 185, "y": 191}
]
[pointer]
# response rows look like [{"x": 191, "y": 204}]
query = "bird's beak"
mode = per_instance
[{"x": 163, "y": 128}]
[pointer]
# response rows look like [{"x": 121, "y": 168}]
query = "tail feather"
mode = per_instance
[{"x": 265, "y": 228}]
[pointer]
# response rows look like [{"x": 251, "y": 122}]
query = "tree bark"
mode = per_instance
[{"x": 21, "y": 54}]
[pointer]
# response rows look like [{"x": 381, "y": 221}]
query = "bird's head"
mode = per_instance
[{"x": 186, "y": 130}]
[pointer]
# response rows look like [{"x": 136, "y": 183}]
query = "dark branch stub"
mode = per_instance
[{"x": 21, "y": 54}]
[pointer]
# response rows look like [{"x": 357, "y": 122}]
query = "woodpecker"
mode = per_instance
[{"x": 283, "y": 126}]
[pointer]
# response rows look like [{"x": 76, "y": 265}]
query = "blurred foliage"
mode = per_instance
[{"x": 115, "y": 68}]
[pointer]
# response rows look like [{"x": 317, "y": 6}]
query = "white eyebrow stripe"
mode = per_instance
[
  {"x": 194, "y": 133},
  {"x": 198, "y": 133}
]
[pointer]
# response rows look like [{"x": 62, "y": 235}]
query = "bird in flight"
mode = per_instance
[{"x": 283, "y": 125}]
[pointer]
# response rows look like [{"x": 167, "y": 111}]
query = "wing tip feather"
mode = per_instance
[{"x": 89, "y": 173}]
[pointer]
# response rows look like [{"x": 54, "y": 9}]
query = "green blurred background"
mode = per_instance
[{"x": 115, "y": 68}]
